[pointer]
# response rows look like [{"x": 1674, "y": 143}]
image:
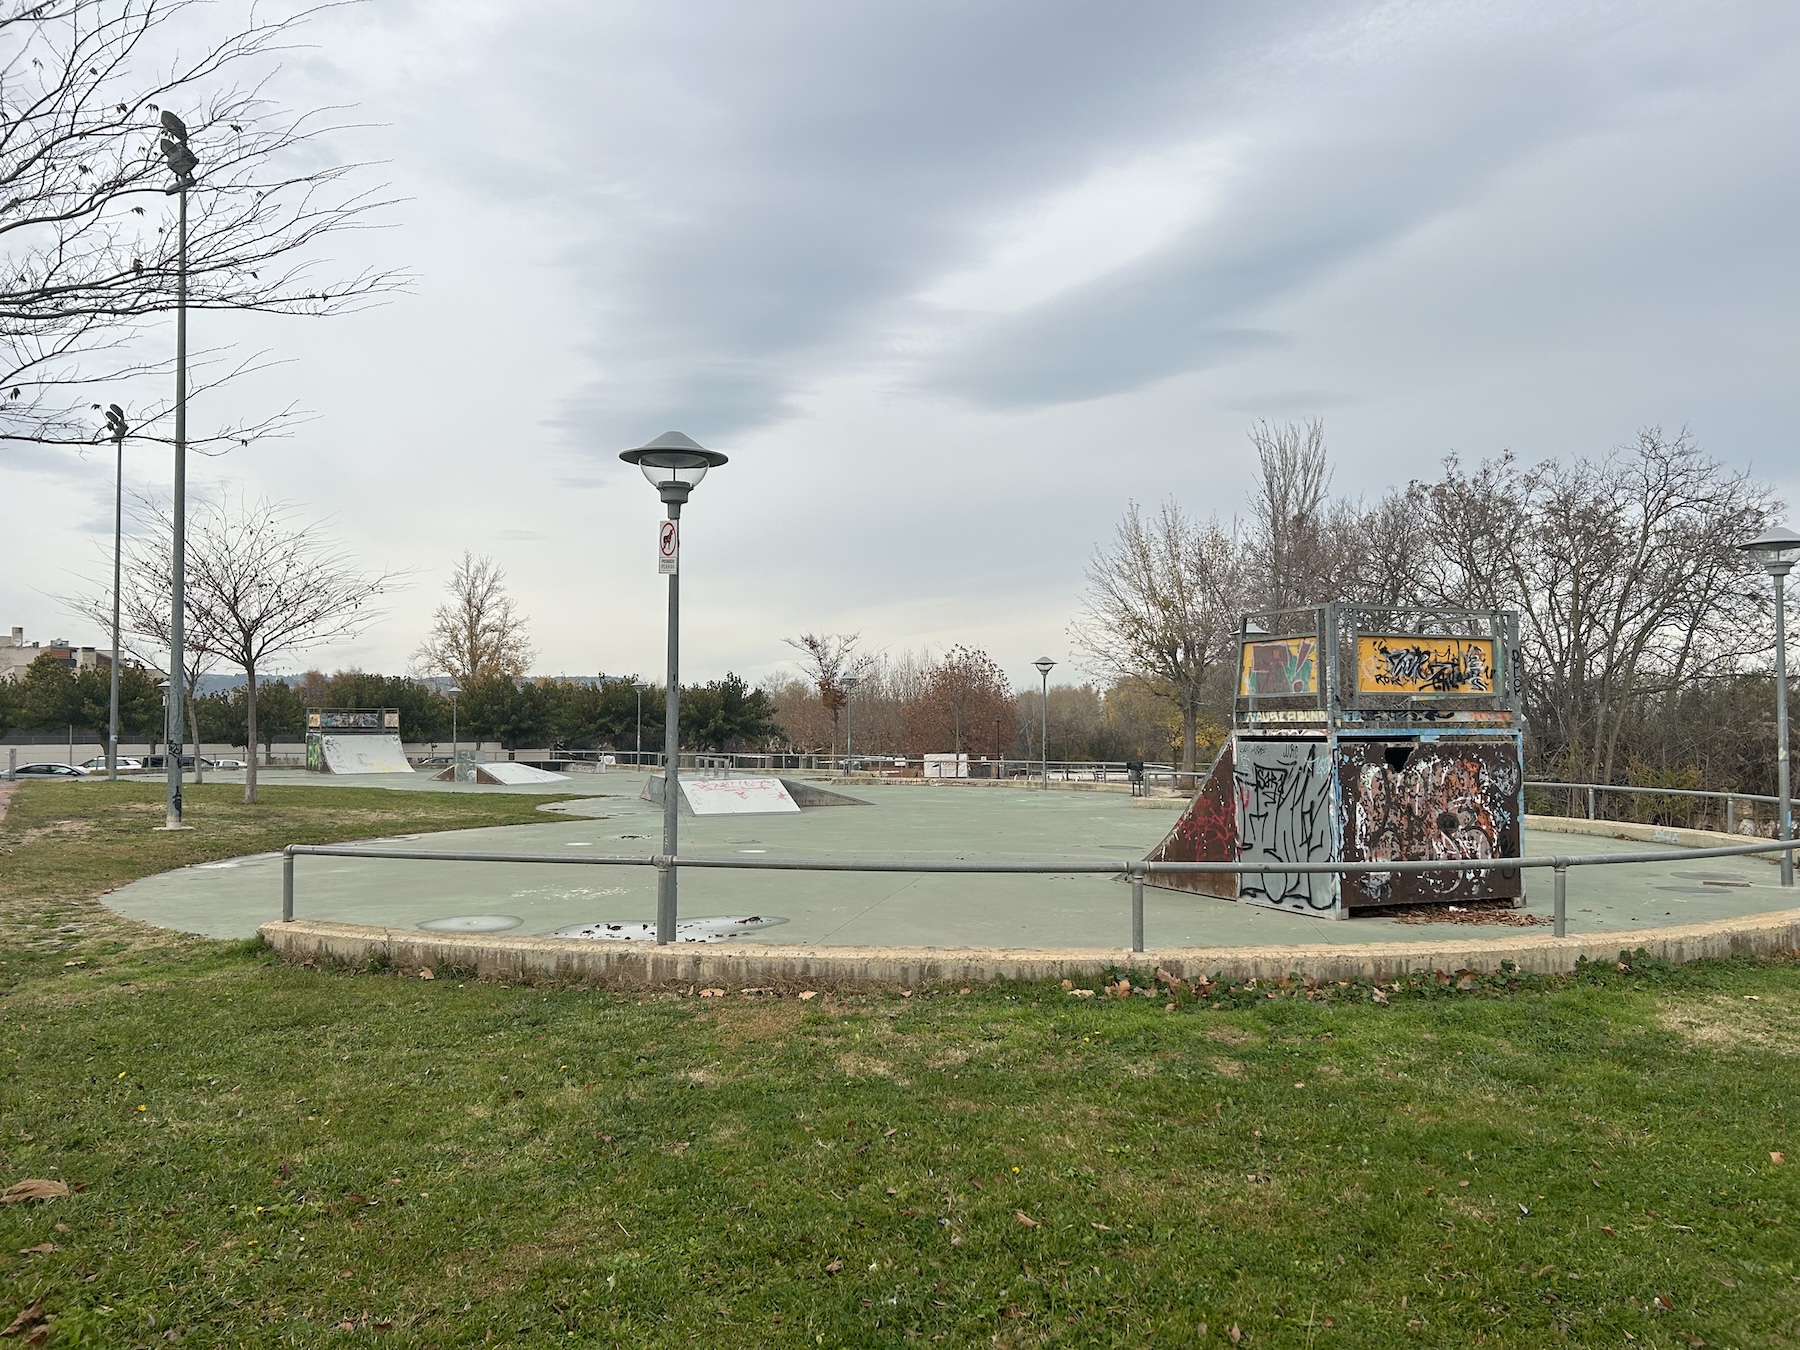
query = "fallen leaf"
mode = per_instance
[
  {"x": 1068, "y": 984},
  {"x": 1235, "y": 1334},
  {"x": 26, "y": 1318},
  {"x": 426, "y": 975},
  {"x": 35, "y": 1188},
  {"x": 1777, "y": 1159},
  {"x": 808, "y": 993},
  {"x": 1379, "y": 997},
  {"x": 906, "y": 993},
  {"x": 1543, "y": 1271},
  {"x": 1610, "y": 1232},
  {"x": 1012, "y": 1310},
  {"x": 1025, "y": 1218},
  {"x": 889, "y": 1134},
  {"x": 833, "y": 1266},
  {"x": 41, "y": 1249},
  {"x": 1523, "y": 1210},
  {"x": 1666, "y": 1302},
  {"x": 712, "y": 993}
]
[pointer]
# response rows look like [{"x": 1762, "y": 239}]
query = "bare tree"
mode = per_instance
[
  {"x": 829, "y": 660},
  {"x": 480, "y": 634},
  {"x": 261, "y": 584},
  {"x": 1161, "y": 606},
  {"x": 86, "y": 227},
  {"x": 1291, "y": 517}
]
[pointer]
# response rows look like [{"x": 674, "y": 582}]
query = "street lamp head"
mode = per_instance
[
  {"x": 453, "y": 691},
  {"x": 1044, "y": 666},
  {"x": 115, "y": 422},
  {"x": 674, "y": 464},
  {"x": 1778, "y": 547}
]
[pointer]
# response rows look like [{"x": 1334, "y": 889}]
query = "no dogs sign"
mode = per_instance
[{"x": 668, "y": 549}]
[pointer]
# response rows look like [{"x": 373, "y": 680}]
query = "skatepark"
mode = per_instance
[{"x": 609, "y": 814}]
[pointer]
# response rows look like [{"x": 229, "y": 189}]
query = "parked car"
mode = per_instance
[
  {"x": 98, "y": 764},
  {"x": 226, "y": 763},
  {"x": 49, "y": 771},
  {"x": 161, "y": 762}
]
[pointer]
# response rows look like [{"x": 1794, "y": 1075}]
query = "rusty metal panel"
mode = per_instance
[
  {"x": 1206, "y": 832},
  {"x": 1408, "y": 800},
  {"x": 1285, "y": 814}
]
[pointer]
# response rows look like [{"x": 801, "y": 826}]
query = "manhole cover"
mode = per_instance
[
  {"x": 720, "y": 929},
  {"x": 473, "y": 923}
]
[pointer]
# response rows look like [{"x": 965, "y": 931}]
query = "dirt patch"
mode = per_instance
[
  {"x": 853, "y": 1065},
  {"x": 1734, "y": 1023}
]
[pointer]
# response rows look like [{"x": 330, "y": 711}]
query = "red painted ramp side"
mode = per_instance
[{"x": 1206, "y": 832}]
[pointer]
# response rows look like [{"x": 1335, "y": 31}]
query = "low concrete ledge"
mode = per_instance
[
  {"x": 762, "y": 965},
  {"x": 1648, "y": 834}
]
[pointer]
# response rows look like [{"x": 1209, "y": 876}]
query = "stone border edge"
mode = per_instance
[{"x": 628, "y": 966}]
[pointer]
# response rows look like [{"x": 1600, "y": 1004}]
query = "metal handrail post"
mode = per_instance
[
  {"x": 1590, "y": 796},
  {"x": 287, "y": 885},
  {"x": 1562, "y": 897},
  {"x": 1137, "y": 907}
]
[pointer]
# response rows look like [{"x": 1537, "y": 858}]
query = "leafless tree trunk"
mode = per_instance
[
  {"x": 1162, "y": 606},
  {"x": 480, "y": 634},
  {"x": 87, "y": 227}
]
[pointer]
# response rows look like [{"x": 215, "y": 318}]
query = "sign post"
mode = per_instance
[{"x": 668, "y": 549}]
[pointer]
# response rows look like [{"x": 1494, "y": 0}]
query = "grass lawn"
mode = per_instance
[{"x": 270, "y": 1155}]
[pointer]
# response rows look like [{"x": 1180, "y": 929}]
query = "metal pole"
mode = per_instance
[
  {"x": 1784, "y": 819},
  {"x": 1044, "y": 727},
  {"x": 172, "y": 805},
  {"x": 665, "y": 876},
  {"x": 112, "y": 715},
  {"x": 455, "y": 745},
  {"x": 1590, "y": 795},
  {"x": 638, "y": 754},
  {"x": 1562, "y": 898},
  {"x": 849, "y": 721},
  {"x": 287, "y": 887},
  {"x": 1137, "y": 908},
  {"x": 1730, "y": 815}
]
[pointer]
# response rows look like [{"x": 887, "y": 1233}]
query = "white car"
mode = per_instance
[
  {"x": 226, "y": 763},
  {"x": 98, "y": 764},
  {"x": 49, "y": 771}
]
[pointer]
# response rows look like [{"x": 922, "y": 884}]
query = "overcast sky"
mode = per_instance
[{"x": 952, "y": 283}]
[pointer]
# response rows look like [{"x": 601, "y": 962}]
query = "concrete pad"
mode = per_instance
[{"x": 848, "y": 909}]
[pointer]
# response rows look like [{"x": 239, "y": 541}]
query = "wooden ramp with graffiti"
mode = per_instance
[{"x": 1363, "y": 735}]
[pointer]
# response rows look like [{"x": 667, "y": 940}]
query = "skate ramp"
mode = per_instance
[
  {"x": 362, "y": 754},
  {"x": 722, "y": 795},
  {"x": 502, "y": 773}
]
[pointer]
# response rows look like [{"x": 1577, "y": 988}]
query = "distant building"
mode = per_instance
[{"x": 16, "y": 654}]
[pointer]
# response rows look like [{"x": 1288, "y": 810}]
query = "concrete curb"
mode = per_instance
[
  {"x": 1647, "y": 834},
  {"x": 628, "y": 965}
]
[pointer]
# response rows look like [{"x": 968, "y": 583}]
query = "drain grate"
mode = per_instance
[
  {"x": 716, "y": 929},
  {"x": 473, "y": 923}
]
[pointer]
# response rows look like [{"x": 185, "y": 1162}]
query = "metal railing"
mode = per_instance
[
  {"x": 1731, "y": 799},
  {"x": 1134, "y": 871}
]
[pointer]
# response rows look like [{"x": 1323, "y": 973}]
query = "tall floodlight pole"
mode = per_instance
[
  {"x": 1044, "y": 666},
  {"x": 115, "y": 427},
  {"x": 182, "y": 164},
  {"x": 674, "y": 464},
  {"x": 849, "y": 682},
  {"x": 1779, "y": 549}
]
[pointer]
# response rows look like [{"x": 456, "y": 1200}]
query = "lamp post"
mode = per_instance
[
  {"x": 674, "y": 464},
  {"x": 1044, "y": 666},
  {"x": 182, "y": 164},
  {"x": 115, "y": 427},
  {"x": 1779, "y": 549},
  {"x": 849, "y": 682},
  {"x": 455, "y": 744}
]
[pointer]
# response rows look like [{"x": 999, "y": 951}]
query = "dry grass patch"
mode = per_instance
[{"x": 1734, "y": 1022}]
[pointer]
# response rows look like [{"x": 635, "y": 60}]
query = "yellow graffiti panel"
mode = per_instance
[{"x": 1424, "y": 665}]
